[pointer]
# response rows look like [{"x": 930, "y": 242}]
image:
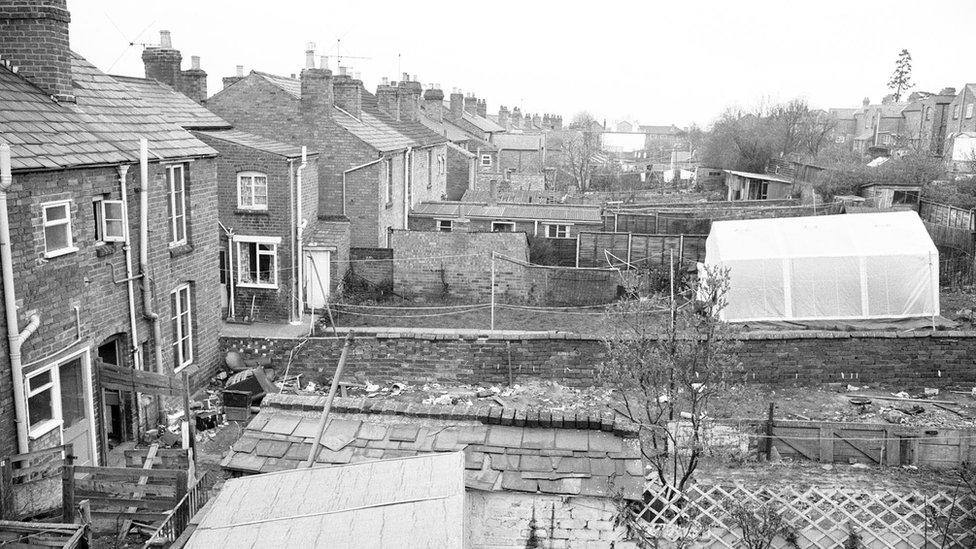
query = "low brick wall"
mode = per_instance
[
  {"x": 471, "y": 356},
  {"x": 373, "y": 266}
]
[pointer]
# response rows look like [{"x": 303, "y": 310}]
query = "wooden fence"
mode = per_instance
[
  {"x": 30, "y": 484},
  {"x": 638, "y": 249},
  {"x": 121, "y": 494},
  {"x": 177, "y": 520},
  {"x": 822, "y": 518},
  {"x": 27, "y": 535},
  {"x": 698, "y": 219},
  {"x": 121, "y": 378},
  {"x": 946, "y": 215}
]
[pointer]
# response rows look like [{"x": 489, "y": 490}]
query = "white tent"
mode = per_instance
[{"x": 831, "y": 267}]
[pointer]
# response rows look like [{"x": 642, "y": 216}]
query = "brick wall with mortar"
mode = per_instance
[
  {"x": 474, "y": 357},
  {"x": 53, "y": 287},
  {"x": 459, "y": 171},
  {"x": 372, "y": 265},
  {"x": 502, "y": 519},
  {"x": 332, "y": 232},
  {"x": 35, "y": 39},
  {"x": 461, "y": 275},
  {"x": 268, "y": 304},
  {"x": 474, "y": 225}
]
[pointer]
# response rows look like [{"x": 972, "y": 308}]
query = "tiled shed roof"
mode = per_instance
[
  {"x": 102, "y": 127},
  {"x": 541, "y": 212},
  {"x": 256, "y": 142},
  {"x": 548, "y": 451},
  {"x": 172, "y": 105},
  {"x": 327, "y": 231}
]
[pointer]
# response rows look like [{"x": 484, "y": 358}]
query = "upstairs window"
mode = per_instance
[
  {"x": 252, "y": 191},
  {"x": 257, "y": 259},
  {"x": 109, "y": 220},
  {"x": 557, "y": 231},
  {"x": 430, "y": 168},
  {"x": 441, "y": 165},
  {"x": 389, "y": 182},
  {"x": 56, "y": 220},
  {"x": 969, "y": 110},
  {"x": 182, "y": 321},
  {"x": 177, "y": 204},
  {"x": 445, "y": 225},
  {"x": 486, "y": 160}
]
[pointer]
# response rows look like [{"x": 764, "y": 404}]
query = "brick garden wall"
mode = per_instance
[
  {"x": 470, "y": 356},
  {"x": 372, "y": 265}
]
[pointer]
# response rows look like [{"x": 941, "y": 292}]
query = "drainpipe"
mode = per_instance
[
  {"x": 299, "y": 230},
  {"x": 353, "y": 169},
  {"x": 293, "y": 241},
  {"x": 137, "y": 357},
  {"x": 406, "y": 185},
  {"x": 231, "y": 270},
  {"x": 15, "y": 337},
  {"x": 147, "y": 309}
]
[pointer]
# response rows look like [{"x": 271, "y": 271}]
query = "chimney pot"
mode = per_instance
[
  {"x": 323, "y": 61},
  {"x": 195, "y": 62},
  {"x": 165, "y": 40},
  {"x": 240, "y": 71},
  {"x": 356, "y": 75},
  {"x": 405, "y": 77},
  {"x": 386, "y": 80},
  {"x": 342, "y": 70},
  {"x": 310, "y": 55}
]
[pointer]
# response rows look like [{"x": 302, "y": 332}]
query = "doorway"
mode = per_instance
[
  {"x": 116, "y": 405},
  {"x": 78, "y": 426},
  {"x": 318, "y": 273}
]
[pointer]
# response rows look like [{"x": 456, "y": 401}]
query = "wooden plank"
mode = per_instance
[
  {"x": 165, "y": 492},
  {"x": 125, "y": 473},
  {"x": 134, "y": 515},
  {"x": 150, "y": 457},
  {"x": 826, "y": 445},
  {"x": 857, "y": 447},
  {"x": 105, "y": 502}
]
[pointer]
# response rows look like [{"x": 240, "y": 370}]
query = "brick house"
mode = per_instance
[
  {"x": 960, "y": 136},
  {"x": 465, "y": 152},
  {"x": 526, "y": 471},
  {"x": 373, "y": 167},
  {"x": 267, "y": 202},
  {"x": 89, "y": 284},
  {"x": 879, "y": 125},
  {"x": 555, "y": 221}
]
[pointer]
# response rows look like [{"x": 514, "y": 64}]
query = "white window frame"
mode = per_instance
[
  {"x": 174, "y": 221},
  {"x": 441, "y": 164},
  {"x": 553, "y": 230},
  {"x": 430, "y": 168},
  {"x": 496, "y": 224},
  {"x": 104, "y": 220},
  {"x": 70, "y": 248},
  {"x": 969, "y": 110},
  {"x": 444, "y": 225},
  {"x": 48, "y": 425},
  {"x": 240, "y": 182},
  {"x": 274, "y": 241},
  {"x": 388, "y": 192},
  {"x": 486, "y": 160},
  {"x": 178, "y": 335}
]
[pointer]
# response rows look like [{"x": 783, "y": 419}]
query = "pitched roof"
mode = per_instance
[
  {"x": 670, "y": 130},
  {"x": 516, "y": 195},
  {"x": 519, "y": 141},
  {"x": 481, "y": 122},
  {"x": 406, "y": 502},
  {"x": 173, "y": 105},
  {"x": 255, "y": 142},
  {"x": 844, "y": 113},
  {"x": 422, "y": 135},
  {"x": 540, "y": 212},
  {"x": 762, "y": 176},
  {"x": 562, "y": 452},
  {"x": 291, "y": 85},
  {"x": 102, "y": 128}
]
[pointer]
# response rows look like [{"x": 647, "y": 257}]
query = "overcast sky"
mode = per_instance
[{"x": 656, "y": 62}]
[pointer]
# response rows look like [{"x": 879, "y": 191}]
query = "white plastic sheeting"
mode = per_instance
[{"x": 831, "y": 267}]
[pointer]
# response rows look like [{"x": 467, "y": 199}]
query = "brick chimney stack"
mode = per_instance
[
  {"x": 503, "y": 116},
  {"x": 408, "y": 96},
  {"x": 195, "y": 81},
  {"x": 316, "y": 101},
  {"x": 482, "y": 108},
  {"x": 457, "y": 103},
  {"x": 866, "y": 102},
  {"x": 162, "y": 62},
  {"x": 348, "y": 94},
  {"x": 516, "y": 118},
  {"x": 310, "y": 55},
  {"x": 34, "y": 38},
  {"x": 537, "y": 120},
  {"x": 471, "y": 104},
  {"x": 433, "y": 104},
  {"x": 386, "y": 97},
  {"x": 231, "y": 80}
]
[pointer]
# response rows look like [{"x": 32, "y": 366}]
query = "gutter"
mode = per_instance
[
  {"x": 147, "y": 309},
  {"x": 15, "y": 337}
]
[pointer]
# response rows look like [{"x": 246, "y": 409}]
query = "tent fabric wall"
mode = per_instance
[{"x": 833, "y": 267}]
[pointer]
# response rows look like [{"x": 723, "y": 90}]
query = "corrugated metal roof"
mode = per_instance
[
  {"x": 407, "y": 502},
  {"x": 102, "y": 127},
  {"x": 761, "y": 176},
  {"x": 541, "y": 212},
  {"x": 519, "y": 141},
  {"x": 173, "y": 105},
  {"x": 255, "y": 142}
]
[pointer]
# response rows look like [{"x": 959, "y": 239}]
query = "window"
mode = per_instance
[
  {"x": 486, "y": 160},
  {"x": 445, "y": 225},
  {"x": 57, "y": 229},
  {"x": 955, "y": 112},
  {"x": 928, "y": 113},
  {"x": 969, "y": 110},
  {"x": 252, "y": 191},
  {"x": 177, "y": 204},
  {"x": 905, "y": 197},
  {"x": 257, "y": 261},
  {"x": 557, "y": 231},
  {"x": 441, "y": 164},
  {"x": 758, "y": 190},
  {"x": 430, "y": 168},
  {"x": 389, "y": 182},
  {"x": 182, "y": 327},
  {"x": 43, "y": 406},
  {"x": 109, "y": 220},
  {"x": 502, "y": 227}
]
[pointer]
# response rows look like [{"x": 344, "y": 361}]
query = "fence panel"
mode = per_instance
[
  {"x": 119, "y": 494},
  {"x": 639, "y": 249}
]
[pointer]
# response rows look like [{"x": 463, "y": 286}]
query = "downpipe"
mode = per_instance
[{"x": 147, "y": 307}]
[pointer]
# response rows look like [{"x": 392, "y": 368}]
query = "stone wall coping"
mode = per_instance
[{"x": 519, "y": 335}]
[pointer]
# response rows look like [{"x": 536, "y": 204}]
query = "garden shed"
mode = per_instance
[{"x": 833, "y": 267}]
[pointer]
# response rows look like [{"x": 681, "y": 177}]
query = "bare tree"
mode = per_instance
[
  {"x": 580, "y": 146},
  {"x": 901, "y": 78},
  {"x": 667, "y": 369}
]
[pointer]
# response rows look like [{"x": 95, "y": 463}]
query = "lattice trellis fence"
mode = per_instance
[{"x": 822, "y": 518}]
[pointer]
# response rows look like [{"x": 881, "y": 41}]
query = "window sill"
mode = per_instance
[
  {"x": 257, "y": 285},
  {"x": 59, "y": 253},
  {"x": 176, "y": 250},
  {"x": 43, "y": 428},
  {"x": 103, "y": 249},
  {"x": 183, "y": 367},
  {"x": 246, "y": 211}
]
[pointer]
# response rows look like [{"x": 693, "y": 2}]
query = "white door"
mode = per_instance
[
  {"x": 74, "y": 378},
  {"x": 317, "y": 277}
]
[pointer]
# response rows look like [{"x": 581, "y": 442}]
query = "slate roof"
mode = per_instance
[
  {"x": 536, "y": 450},
  {"x": 291, "y": 85},
  {"x": 327, "y": 231},
  {"x": 256, "y": 142},
  {"x": 519, "y": 141},
  {"x": 515, "y": 195},
  {"x": 532, "y": 212},
  {"x": 408, "y": 502},
  {"x": 481, "y": 122},
  {"x": 173, "y": 105},
  {"x": 102, "y": 128}
]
